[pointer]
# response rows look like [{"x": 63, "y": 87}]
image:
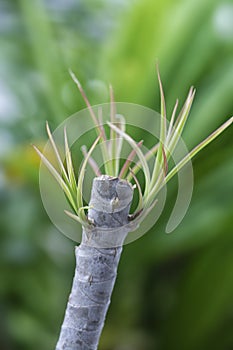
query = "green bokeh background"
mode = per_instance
[{"x": 173, "y": 291}]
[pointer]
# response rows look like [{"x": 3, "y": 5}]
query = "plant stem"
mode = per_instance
[{"x": 97, "y": 259}]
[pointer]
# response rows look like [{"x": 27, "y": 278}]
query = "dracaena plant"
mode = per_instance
[{"x": 97, "y": 257}]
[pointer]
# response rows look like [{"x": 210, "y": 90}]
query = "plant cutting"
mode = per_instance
[{"x": 107, "y": 220}]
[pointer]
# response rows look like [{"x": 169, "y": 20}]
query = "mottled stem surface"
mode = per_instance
[{"x": 97, "y": 259}]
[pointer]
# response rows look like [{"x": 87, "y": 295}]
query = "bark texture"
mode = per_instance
[{"x": 97, "y": 259}]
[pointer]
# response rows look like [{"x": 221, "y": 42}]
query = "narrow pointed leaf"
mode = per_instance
[
  {"x": 58, "y": 178},
  {"x": 187, "y": 105},
  {"x": 99, "y": 127},
  {"x": 81, "y": 177},
  {"x": 165, "y": 163},
  {"x": 91, "y": 161},
  {"x": 56, "y": 152},
  {"x": 139, "y": 153},
  {"x": 84, "y": 96},
  {"x": 148, "y": 156},
  {"x": 180, "y": 122},
  {"x": 198, "y": 148},
  {"x": 163, "y": 129},
  {"x": 171, "y": 124},
  {"x": 100, "y": 122},
  {"x": 140, "y": 201},
  {"x": 162, "y": 108},
  {"x": 105, "y": 151},
  {"x": 128, "y": 162},
  {"x": 75, "y": 217},
  {"x": 69, "y": 163},
  {"x": 120, "y": 123}
]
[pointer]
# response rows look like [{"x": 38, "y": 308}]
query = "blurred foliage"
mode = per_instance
[{"x": 172, "y": 291}]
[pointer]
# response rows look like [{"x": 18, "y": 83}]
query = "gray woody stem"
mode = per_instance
[{"x": 97, "y": 259}]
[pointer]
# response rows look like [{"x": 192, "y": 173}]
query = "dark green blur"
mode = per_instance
[{"x": 173, "y": 291}]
